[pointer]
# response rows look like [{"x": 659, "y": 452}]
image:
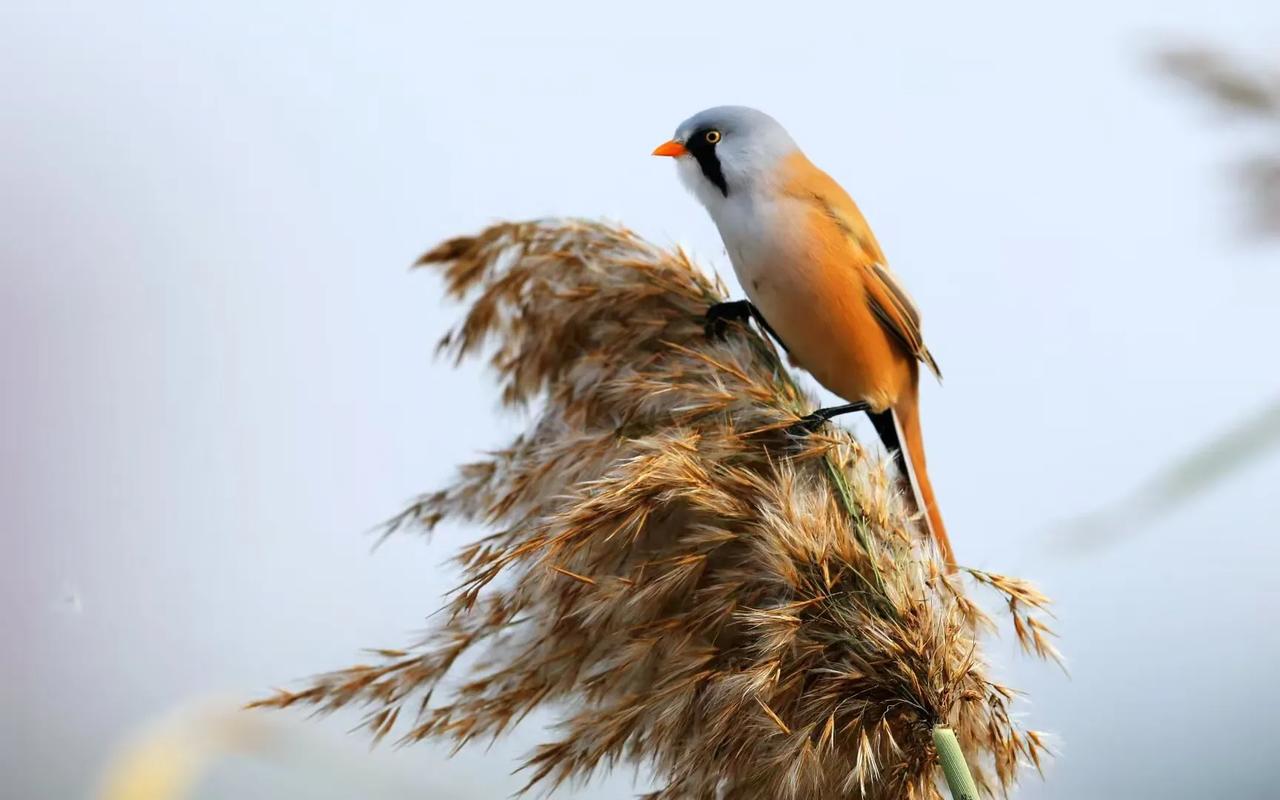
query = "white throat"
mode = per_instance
[
  {"x": 750, "y": 217},
  {"x": 734, "y": 164}
]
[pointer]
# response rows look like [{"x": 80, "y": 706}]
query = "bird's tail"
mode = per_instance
[{"x": 899, "y": 430}]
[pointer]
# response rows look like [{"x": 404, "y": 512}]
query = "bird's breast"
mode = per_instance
[
  {"x": 759, "y": 237},
  {"x": 811, "y": 293},
  {"x": 771, "y": 254}
]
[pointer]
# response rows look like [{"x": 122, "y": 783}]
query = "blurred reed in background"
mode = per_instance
[
  {"x": 174, "y": 756},
  {"x": 1247, "y": 96}
]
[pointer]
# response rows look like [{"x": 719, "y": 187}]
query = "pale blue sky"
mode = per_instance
[{"x": 218, "y": 368}]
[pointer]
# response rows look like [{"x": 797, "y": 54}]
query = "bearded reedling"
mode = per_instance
[{"x": 815, "y": 279}]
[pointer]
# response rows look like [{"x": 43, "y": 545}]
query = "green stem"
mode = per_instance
[
  {"x": 851, "y": 511},
  {"x": 953, "y": 764}
]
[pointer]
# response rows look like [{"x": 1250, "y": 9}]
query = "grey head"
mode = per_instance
[{"x": 728, "y": 150}]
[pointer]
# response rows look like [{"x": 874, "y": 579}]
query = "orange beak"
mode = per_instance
[{"x": 671, "y": 148}]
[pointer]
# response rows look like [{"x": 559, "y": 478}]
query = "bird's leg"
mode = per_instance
[
  {"x": 719, "y": 316},
  {"x": 813, "y": 421}
]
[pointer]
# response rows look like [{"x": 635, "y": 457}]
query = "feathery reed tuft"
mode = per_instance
[{"x": 750, "y": 612}]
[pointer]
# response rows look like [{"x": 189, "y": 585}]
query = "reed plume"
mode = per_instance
[{"x": 748, "y": 611}]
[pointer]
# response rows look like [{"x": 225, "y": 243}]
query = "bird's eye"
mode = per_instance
[{"x": 712, "y": 137}]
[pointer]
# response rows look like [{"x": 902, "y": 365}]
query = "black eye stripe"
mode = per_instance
[{"x": 705, "y": 154}]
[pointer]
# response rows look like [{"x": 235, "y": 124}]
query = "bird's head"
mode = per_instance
[{"x": 727, "y": 150}]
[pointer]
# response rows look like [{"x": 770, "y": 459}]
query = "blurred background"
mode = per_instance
[{"x": 218, "y": 376}]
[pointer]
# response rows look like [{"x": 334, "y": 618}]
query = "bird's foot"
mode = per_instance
[
  {"x": 720, "y": 315},
  {"x": 806, "y": 425},
  {"x": 811, "y": 422}
]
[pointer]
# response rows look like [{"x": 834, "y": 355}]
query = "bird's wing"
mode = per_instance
[
  {"x": 892, "y": 306},
  {"x": 897, "y": 313}
]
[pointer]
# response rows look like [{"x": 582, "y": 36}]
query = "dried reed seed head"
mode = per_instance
[{"x": 750, "y": 613}]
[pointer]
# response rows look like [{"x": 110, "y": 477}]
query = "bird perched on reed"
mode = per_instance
[
  {"x": 815, "y": 277},
  {"x": 744, "y": 613}
]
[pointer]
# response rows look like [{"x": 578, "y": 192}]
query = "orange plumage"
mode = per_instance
[
  {"x": 813, "y": 270},
  {"x": 847, "y": 320}
]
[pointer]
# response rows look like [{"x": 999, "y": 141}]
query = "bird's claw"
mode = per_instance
[
  {"x": 719, "y": 316},
  {"x": 810, "y": 423}
]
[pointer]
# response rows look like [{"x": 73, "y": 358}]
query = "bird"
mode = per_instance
[{"x": 815, "y": 279}]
